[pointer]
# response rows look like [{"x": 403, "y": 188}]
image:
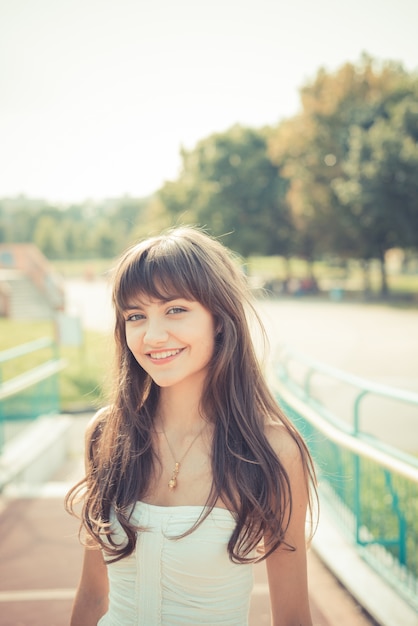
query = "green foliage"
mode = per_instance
[
  {"x": 379, "y": 186},
  {"x": 85, "y": 231},
  {"x": 230, "y": 186}
]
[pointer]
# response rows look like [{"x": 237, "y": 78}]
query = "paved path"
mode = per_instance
[
  {"x": 377, "y": 342},
  {"x": 371, "y": 340},
  {"x": 40, "y": 559}
]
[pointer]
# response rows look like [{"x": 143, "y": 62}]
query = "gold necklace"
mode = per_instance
[{"x": 172, "y": 483}]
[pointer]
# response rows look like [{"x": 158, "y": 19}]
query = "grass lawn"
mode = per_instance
[
  {"x": 350, "y": 278},
  {"x": 88, "y": 367}
]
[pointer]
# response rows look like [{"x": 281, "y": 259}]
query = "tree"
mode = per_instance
[
  {"x": 48, "y": 236},
  {"x": 229, "y": 185},
  {"x": 322, "y": 145},
  {"x": 380, "y": 184}
]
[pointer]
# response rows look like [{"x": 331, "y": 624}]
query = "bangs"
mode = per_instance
[{"x": 159, "y": 273}]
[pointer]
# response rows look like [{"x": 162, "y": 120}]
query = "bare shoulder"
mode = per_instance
[
  {"x": 92, "y": 434},
  {"x": 96, "y": 423},
  {"x": 294, "y": 458},
  {"x": 283, "y": 443}
]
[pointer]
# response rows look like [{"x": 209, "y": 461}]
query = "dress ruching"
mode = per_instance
[{"x": 169, "y": 581}]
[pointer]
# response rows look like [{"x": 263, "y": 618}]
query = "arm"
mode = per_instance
[
  {"x": 287, "y": 569},
  {"x": 91, "y": 598}
]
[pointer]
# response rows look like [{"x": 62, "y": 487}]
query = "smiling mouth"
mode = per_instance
[{"x": 163, "y": 355}]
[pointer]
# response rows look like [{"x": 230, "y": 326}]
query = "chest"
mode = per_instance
[{"x": 181, "y": 481}]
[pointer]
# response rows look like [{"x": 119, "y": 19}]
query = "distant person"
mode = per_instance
[{"x": 193, "y": 473}]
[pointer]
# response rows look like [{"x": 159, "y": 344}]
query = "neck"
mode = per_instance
[{"x": 179, "y": 411}]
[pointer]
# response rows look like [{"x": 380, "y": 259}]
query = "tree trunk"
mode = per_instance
[
  {"x": 288, "y": 271},
  {"x": 366, "y": 277},
  {"x": 384, "y": 288},
  {"x": 309, "y": 268}
]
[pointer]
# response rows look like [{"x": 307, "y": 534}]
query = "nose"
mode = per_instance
[{"x": 155, "y": 332}]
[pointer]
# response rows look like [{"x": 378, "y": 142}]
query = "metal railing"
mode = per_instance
[
  {"x": 369, "y": 487},
  {"x": 31, "y": 393}
]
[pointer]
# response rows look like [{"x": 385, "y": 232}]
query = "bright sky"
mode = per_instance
[{"x": 98, "y": 96}]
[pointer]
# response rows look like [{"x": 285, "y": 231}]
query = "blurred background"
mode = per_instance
[{"x": 290, "y": 130}]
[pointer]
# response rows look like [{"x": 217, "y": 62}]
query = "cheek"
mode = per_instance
[
  {"x": 132, "y": 339},
  {"x": 128, "y": 338},
  {"x": 207, "y": 344},
  {"x": 206, "y": 350}
]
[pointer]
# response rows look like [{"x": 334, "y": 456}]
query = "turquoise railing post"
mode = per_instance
[
  {"x": 357, "y": 468},
  {"x": 356, "y": 411},
  {"x": 357, "y": 497},
  {"x": 400, "y": 540}
]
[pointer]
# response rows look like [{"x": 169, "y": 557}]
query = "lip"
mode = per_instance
[{"x": 163, "y": 356}]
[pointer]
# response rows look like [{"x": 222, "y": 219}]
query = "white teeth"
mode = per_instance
[{"x": 163, "y": 355}]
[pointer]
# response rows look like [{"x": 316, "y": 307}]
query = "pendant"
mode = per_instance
[{"x": 172, "y": 483}]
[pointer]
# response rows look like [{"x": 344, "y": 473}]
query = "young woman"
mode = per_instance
[{"x": 193, "y": 473}]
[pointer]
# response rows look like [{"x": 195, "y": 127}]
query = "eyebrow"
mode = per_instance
[{"x": 132, "y": 307}]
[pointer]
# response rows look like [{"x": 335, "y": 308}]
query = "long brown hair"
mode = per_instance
[{"x": 247, "y": 474}]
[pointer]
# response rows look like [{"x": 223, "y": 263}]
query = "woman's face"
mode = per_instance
[{"x": 173, "y": 341}]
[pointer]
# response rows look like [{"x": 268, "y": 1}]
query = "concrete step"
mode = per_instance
[{"x": 26, "y": 301}]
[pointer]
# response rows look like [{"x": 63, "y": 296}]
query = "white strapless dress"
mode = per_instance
[{"x": 179, "y": 582}]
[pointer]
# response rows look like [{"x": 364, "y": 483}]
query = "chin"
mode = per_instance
[{"x": 165, "y": 383}]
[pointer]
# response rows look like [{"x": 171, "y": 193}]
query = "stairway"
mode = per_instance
[{"x": 25, "y": 300}]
